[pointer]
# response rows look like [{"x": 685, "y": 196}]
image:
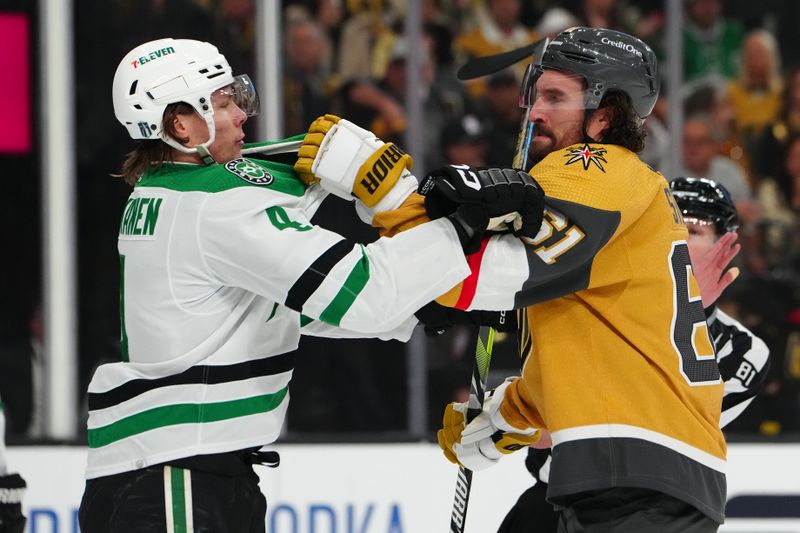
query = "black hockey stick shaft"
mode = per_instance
[
  {"x": 483, "y": 356},
  {"x": 483, "y": 349}
]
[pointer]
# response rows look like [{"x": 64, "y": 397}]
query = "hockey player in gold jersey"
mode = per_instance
[
  {"x": 711, "y": 221},
  {"x": 619, "y": 365}
]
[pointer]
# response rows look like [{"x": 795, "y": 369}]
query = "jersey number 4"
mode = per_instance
[{"x": 689, "y": 331}]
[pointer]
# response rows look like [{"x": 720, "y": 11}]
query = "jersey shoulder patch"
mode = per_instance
[
  {"x": 587, "y": 155},
  {"x": 249, "y": 171},
  {"x": 594, "y": 158}
]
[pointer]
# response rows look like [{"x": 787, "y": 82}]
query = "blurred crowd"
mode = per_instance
[{"x": 740, "y": 102}]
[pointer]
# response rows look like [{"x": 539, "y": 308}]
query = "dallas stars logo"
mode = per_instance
[
  {"x": 587, "y": 155},
  {"x": 249, "y": 172}
]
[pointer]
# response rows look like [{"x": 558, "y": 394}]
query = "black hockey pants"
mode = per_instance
[{"x": 210, "y": 493}]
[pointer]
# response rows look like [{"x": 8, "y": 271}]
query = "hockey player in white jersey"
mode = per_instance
[
  {"x": 710, "y": 216},
  {"x": 222, "y": 271}
]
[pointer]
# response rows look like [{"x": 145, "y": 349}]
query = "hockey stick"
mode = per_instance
[
  {"x": 273, "y": 148},
  {"x": 483, "y": 350},
  {"x": 486, "y": 65},
  {"x": 483, "y": 356}
]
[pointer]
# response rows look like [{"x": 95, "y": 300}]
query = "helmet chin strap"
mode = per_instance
[
  {"x": 205, "y": 155},
  {"x": 202, "y": 149}
]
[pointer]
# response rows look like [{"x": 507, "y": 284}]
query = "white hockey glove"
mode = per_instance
[
  {"x": 349, "y": 161},
  {"x": 486, "y": 439}
]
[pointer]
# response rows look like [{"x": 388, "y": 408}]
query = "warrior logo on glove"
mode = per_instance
[
  {"x": 349, "y": 161},
  {"x": 381, "y": 164}
]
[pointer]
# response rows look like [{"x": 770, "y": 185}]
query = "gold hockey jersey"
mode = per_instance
[
  {"x": 619, "y": 365},
  {"x": 621, "y": 369}
]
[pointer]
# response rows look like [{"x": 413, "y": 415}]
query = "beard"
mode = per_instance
[
  {"x": 545, "y": 142},
  {"x": 539, "y": 148}
]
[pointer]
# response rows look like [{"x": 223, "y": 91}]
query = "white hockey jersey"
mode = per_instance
[
  {"x": 222, "y": 271},
  {"x": 743, "y": 363}
]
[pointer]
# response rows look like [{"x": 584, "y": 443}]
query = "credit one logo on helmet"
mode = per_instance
[
  {"x": 619, "y": 44},
  {"x": 152, "y": 56}
]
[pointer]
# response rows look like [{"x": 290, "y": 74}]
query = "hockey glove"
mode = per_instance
[
  {"x": 12, "y": 489},
  {"x": 349, "y": 161},
  {"x": 486, "y": 439},
  {"x": 437, "y": 319},
  {"x": 501, "y": 191}
]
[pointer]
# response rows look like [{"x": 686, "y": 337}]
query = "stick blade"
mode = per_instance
[{"x": 486, "y": 65}]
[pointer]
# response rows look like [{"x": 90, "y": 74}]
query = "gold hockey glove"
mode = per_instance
[
  {"x": 482, "y": 442},
  {"x": 349, "y": 161}
]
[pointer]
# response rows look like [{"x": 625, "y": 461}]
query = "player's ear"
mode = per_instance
[
  {"x": 181, "y": 125},
  {"x": 189, "y": 128},
  {"x": 599, "y": 122}
]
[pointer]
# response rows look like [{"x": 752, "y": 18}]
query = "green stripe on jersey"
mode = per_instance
[
  {"x": 186, "y": 413},
  {"x": 352, "y": 287},
  {"x": 272, "y": 314},
  {"x": 178, "y": 500},
  {"x": 183, "y": 177}
]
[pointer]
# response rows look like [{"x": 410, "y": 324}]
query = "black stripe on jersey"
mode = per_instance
[
  {"x": 729, "y": 366},
  {"x": 720, "y": 334},
  {"x": 203, "y": 374},
  {"x": 535, "y": 461},
  {"x": 733, "y": 399},
  {"x": 314, "y": 275},
  {"x": 733, "y": 346},
  {"x": 571, "y": 271},
  {"x": 600, "y": 463},
  {"x": 741, "y": 343}
]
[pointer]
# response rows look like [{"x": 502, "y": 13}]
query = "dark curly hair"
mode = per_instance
[{"x": 626, "y": 128}]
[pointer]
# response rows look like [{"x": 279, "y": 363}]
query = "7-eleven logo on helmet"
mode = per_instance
[{"x": 152, "y": 56}]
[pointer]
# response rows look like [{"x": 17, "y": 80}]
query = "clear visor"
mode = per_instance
[
  {"x": 552, "y": 89},
  {"x": 527, "y": 88},
  {"x": 242, "y": 92}
]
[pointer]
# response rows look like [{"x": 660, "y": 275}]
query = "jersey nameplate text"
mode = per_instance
[{"x": 140, "y": 218}]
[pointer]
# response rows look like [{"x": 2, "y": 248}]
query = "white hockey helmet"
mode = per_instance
[{"x": 167, "y": 71}]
